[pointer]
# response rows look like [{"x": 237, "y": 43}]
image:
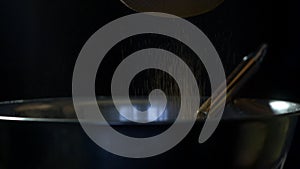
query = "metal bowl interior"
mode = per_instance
[{"x": 254, "y": 134}]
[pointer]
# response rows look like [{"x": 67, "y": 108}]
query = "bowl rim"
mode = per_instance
[{"x": 296, "y": 112}]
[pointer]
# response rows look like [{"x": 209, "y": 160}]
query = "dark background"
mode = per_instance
[{"x": 40, "y": 41}]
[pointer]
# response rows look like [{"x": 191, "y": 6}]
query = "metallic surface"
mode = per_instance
[{"x": 45, "y": 134}]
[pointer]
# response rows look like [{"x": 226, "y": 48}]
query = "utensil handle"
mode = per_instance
[{"x": 235, "y": 80}]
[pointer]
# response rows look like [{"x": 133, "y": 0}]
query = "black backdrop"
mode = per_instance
[{"x": 40, "y": 41}]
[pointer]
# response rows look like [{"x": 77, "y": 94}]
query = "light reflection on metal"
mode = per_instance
[
  {"x": 152, "y": 114},
  {"x": 282, "y": 107}
]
